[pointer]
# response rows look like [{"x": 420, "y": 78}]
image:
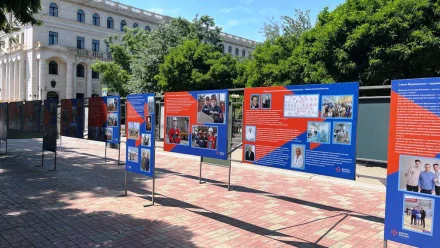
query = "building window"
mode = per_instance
[
  {"x": 80, "y": 17},
  {"x": 147, "y": 28},
  {"x": 53, "y": 68},
  {"x": 243, "y": 53},
  {"x": 53, "y": 38},
  {"x": 236, "y": 51},
  {"x": 229, "y": 49},
  {"x": 222, "y": 47},
  {"x": 80, "y": 42},
  {"x": 96, "y": 20},
  {"x": 95, "y": 74},
  {"x": 123, "y": 24},
  {"x": 135, "y": 25},
  {"x": 95, "y": 45},
  {"x": 110, "y": 23},
  {"x": 80, "y": 70},
  {"x": 53, "y": 10}
]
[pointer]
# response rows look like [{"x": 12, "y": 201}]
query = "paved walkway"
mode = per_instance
[{"x": 79, "y": 204}]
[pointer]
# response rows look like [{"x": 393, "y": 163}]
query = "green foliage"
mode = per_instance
[{"x": 15, "y": 13}]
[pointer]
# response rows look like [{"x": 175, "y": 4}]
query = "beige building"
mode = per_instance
[{"x": 54, "y": 59}]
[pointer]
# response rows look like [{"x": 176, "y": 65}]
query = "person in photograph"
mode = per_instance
[
  {"x": 212, "y": 139},
  {"x": 202, "y": 142},
  {"x": 437, "y": 179},
  {"x": 146, "y": 140},
  {"x": 414, "y": 213},
  {"x": 250, "y": 156},
  {"x": 145, "y": 165},
  {"x": 250, "y": 134},
  {"x": 426, "y": 180},
  {"x": 422, "y": 217},
  {"x": 412, "y": 176},
  {"x": 148, "y": 123},
  {"x": 255, "y": 102},
  {"x": 174, "y": 133},
  {"x": 298, "y": 159},
  {"x": 207, "y": 106},
  {"x": 266, "y": 101},
  {"x": 215, "y": 111}
]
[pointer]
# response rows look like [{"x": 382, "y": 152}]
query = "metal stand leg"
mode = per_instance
[
  {"x": 200, "y": 171},
  {"x": 119, "y": 153},
  {"x": 55, "y": 162},
  {"x": 105, "y": 154},
  {"x": 153, "y": 191},
  {"x": 42, "y": 158},
  {"x": 229, "y": 179},
  {"x": 125, "y": 182},
  {"x": 385, "y": 243},
  {"x": 60, "y": 141}
]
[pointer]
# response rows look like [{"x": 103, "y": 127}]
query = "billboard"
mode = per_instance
[
  {"x": 196, "y": 123},
  {"x": 413, "y": 176},
  {"x": 50, "y": 125},
  {"x": 3, "y": 121},
  {"x": 32, "y": 116},
  {"x": 104, "y": 119},
  {"x": 72, "y": 118},
  {"x": 140, "y": 132},
  {"x": 16, "y": 115},
  {"x": 309, "y": 128}
]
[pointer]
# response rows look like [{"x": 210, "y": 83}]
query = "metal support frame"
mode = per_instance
[
  {"x": 105, "y": 152},
  {"x": 385, "y": 243},
  {"x": 6, "y": 147},
  {"x": 55, "y": 160}
]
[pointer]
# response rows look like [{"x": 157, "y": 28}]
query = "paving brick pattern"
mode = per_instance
[{"x": 79, "y": 205}]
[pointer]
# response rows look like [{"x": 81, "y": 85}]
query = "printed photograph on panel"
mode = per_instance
[
  {"x": 108, "y": 133},
  {"x": 204, "y": 137},
  {"x": 112, "y": 104},
  {"x": 419, "y": 174},
  {"x": 65, "y": 116},
  {"x": 177, "y": 130},
  {"x": 133, "y": 130},
  {"x": 249, "y": 153},
  {"x": 148, "y": 123},
  {"x": 255, "y": 101},
  {"x": 251, "y": 133},
  {"x": 297, "y": 156},
  {"x": 337, "y": 106},
  {"x": 112, "y": 120},
  {"x": 150, "y": 101},
  {"x": 133, "y": 155},
  {"x": 301, "y": 106},
  {"x": 145, "y": 160},
  {"x": 418, "y": 214},
  {"x": 146, "y": 139},
  {"x": 211, "y": 108},
  {"x": 266, "y": 99},
  {"x": 342, "y": 133},
  {"x": 318, "y": 132}
]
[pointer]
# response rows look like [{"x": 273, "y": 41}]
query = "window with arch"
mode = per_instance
[
  {"x": 110, "y": 23},
  {"x": 79, "y": 70},
  {"x": 243, "y": 53},
  {"x": 147, "y": 28},
  {"x": 53, "y": 68},
  {"x": 53, "y": 10},
  {"x": 135, "y": 25},
  {"x": 96, "y": 20},
  {"x": 229, "y": 49},
  {"x": 236, "y": 51},
  {"x": 123, "y": 24},
  {"x": 80, "y": 17}
]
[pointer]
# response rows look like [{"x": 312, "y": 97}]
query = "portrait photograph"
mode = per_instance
[
  {"x": 342, "y": 133},
  {"x": 419, "y": 175},
  {"x": 177, "y": 130},
  {"x": 418, "y": 214},
  {"x": 204, "y": 137},
  {"x": 266, "y": 100},
  {"x": 133, "y": 130},
  {"x": 150, "y": 101},
  {"x": 255, "y": 101},
  {"x": 211, "y": 108},
  {"x": 318, "y": 132},
  {"x": 249, "y": 154},
  {"x": 112, "y": 104},
  {"x": 337, "y": 106},
  {"x": 112, "y": 119},
  {"x": 251, "y": 133},
  {"x": 148, "y": 124},
  {"x": 133, "y": 155},
  {"x": 298, "y": 156},
  {"x": 146, "y": 139},
  {"x": 108, "y": 133},
  {"x": 145, "y": 160}
]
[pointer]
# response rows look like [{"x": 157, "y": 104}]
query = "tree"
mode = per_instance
[{"x": 16, "y": 13}]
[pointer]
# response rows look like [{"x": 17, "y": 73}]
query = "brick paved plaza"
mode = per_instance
[{"x": 80, "y": 205}]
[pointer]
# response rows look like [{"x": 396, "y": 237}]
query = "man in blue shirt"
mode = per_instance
[
  {"x": 414, "y": 213},
  {"x": 426, "y": 180}
]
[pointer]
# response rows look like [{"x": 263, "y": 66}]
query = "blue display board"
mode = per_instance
[
  {"x": 140, "y": 126},
  {"x": 309, "y": 128},
  {"x": 72, "y": 118},
  {"x": 196, "y": 123},
  {"x": 104, "y": 119},
  {"x": 50, "y": 125},
  {"x": 413, "y": 181}
]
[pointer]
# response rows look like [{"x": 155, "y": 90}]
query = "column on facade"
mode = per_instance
[
  {"x": 75, "y": 80},
  {"x": 5, "y": 78},
  {"x": 16, "y": 79},
  {"x": 11, "y": 80},
  {"x": 89, "y": 82},
  {"x": 42, "y": 78},
  {"x": 22, "y": 80},
  {"x": 69, "y": 81}
]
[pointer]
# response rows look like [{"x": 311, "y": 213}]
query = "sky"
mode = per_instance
[{"x": 244, "y": 18}]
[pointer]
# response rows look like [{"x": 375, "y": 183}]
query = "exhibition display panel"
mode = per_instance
[
  {"x": 15, "y": 115},
  {"x": 50, "y": 109},
  {"x": 72, "y": 118},
  {"x": 32, "y": 116},
  {"x": 104, "y": 119}
]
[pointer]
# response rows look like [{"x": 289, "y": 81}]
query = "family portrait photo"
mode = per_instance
[
  {"x": 418, "y": 214},
  {"x": 146, "y": 139},
  {"x": 318, "y": 132},
  {"x": 112, "y": 104},
  {"x": 337, "y": 106},
  {"x": 177, "y": 130},
  {"x": 204, "y": 137},
  {"x": 297, "y": 156},
  {"x": 145, "y": 160},
  {"x": 249, "y": 154},
  {"x": 211, "y": 108},
  {"x": 419, "y": 174},
  {"x": 342, "y": 133},
  {"x": 133, "y": 155},
  {"x": 133, "y": 130}
]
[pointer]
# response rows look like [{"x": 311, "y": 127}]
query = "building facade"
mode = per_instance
[{"x": 54, "y": 59}]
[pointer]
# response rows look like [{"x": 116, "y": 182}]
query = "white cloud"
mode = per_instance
[
  {"x": 232, "y": 23},
  {"x": 236, "y": 9}
]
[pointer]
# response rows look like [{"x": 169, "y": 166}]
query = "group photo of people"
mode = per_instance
[
  {"x": 249, "y": 154},
  {"x": 418, "y": 214},
  {"x": 337, "y": 106},
  {"x": 419, "y": 174},
  {"x": 204, "y": 137},
  {"x": 318, "y": 132},
  {"x": 297, "y": 156},
  {"x": 133, "y": 130},
  {"x": 145, "y": 160},
  {"x": 112, "y": 119},
  {"x": 211, "y": 108},
  {"x": 342, "y": 133},
  {"x": 146, "y": 139},
  {"x": 112, "y": 104},
  {"x": 96, "y": 133},
  {"x": 177, "y": 130},
  {"x": 263, "y": 101},
  {"x": 133, "y": 155}
]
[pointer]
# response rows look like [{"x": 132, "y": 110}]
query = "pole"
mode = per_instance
[
  {"x": 119, "y": 153},
  {"x": 200, "y": 171},
  {"x": 154, "y": 184},
  {"x": 42, "y": 157},
  {"x": 385, "y": 243},
  {"x": 105, "y": 153},
  {"x": 6, "y": 151},
  {"x": 125, "y": 182},
  {"x": 229, "y": 179}
]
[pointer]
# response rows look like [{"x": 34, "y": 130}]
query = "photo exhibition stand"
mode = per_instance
[
  {"x": 6, "y": 147},
  {"x": 55, "y": 158}
]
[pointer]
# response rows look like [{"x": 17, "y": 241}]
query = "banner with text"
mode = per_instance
[
  {"x": 140, "y": 133},
  {"x": 104, "y": 119},
  {"x": 413, "y": 181},
  {"x": 16, "y": 115},
  {"x": 196, "y": 123},
  {"x": 309, "y": 128},
  {"x": 50, "y": 125},
  {"x": 72, "y": 118},
  {"x": 31, "y": 116},
  {"x": 3, "y": 121}
]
